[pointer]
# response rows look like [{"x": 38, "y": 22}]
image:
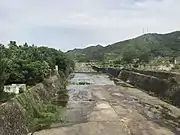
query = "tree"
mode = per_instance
[
  {"x": 129, "y": 55},
  {"x": 36, "y": 72},
  {"x": 30, "y": 64},
  {"x": 145, "y": 58},
  {"x": 3, "y": 65}
]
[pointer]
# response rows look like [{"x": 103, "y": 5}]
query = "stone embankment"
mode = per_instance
[
  {"x": 20, "y": 115},
  {"x": 162, "y": 84}
]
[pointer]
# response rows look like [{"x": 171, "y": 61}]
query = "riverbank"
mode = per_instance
[{"x": 35, "y": 109}]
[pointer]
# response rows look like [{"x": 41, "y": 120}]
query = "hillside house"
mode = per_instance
[{"x": 177, "y": 61}]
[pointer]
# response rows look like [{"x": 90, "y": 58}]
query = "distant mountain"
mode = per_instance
[
  {"x": 89, "y": 53},
  {"x": 152, "y": 43}
]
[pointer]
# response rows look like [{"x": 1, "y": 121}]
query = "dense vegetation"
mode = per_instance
[
  {"x": 30, "y": 64},
  {"x": 87, "y": 54},
  {"x": 144, "y": 48},
  {"x": 25, "y": 64}
]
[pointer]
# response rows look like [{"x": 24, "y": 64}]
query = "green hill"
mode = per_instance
[{"x": 153, "y": 44}]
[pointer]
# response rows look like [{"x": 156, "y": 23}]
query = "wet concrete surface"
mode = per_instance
[
  {"x": 81, "y": 99},
  {"x": 102, "y": 108}
]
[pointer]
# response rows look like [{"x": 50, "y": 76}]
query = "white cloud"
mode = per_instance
[{"x": 66, "y": 24}]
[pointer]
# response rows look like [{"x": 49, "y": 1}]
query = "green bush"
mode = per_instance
[
  {"x": 4, "y": 96},
  {"x": 39, "y": 114},
  {"x": 83, "y": 83},
  {"x": 21, "y": 90},
  {"x": 45, "y": 117},
  {"x": 176, "y": 67},
  {"x": 31, "y": 64}
]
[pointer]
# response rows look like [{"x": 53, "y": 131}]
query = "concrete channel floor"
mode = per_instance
[{"x": 102, "y": 108}]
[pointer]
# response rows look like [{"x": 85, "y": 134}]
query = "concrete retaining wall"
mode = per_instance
[
  {"x": 165, "y": 89},
  {"x": 111, "y": 71},
  {"x": 160, "y": 83},
  {"x": 102, "y": 70},
  {"x": 161, "y": 74},
  {"x": 146, "y": 82},
  {"x": 17, "y": 116}
]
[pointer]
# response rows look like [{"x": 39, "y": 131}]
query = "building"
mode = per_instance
[
  {"x": 177, "y": 61},
  {"x": 15, "y": 88}
]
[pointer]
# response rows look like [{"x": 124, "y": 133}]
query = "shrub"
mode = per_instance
[
  {"x": 4, "y": 96},
  {"x": 31, "y": 64}
]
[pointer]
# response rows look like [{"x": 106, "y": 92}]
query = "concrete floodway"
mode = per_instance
[{"x": 103, "y": 108}]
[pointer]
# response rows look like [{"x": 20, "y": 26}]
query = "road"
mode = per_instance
[{"x": 103, "y": 108}]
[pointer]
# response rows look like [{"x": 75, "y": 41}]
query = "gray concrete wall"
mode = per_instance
[
  {"x": 162, "y": 84},
  {"x": 111, "y": 71},
  {"x": 161, "y": 74},
  {"x": 165, "y": 89},
  {"x": 146, "y": 82}
]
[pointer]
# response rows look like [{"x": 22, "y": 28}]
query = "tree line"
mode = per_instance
[{"x": 30, "y": 64}]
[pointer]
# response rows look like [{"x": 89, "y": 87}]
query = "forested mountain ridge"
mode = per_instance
[
  {"x": 152, "y": 44},
  {"x": 88, "y": 53}
]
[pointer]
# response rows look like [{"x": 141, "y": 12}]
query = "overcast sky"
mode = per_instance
[{"x": 69, "y": 24}]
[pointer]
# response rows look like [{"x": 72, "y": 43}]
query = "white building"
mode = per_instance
[
  {"x": 56, "y": 67},
  {"x": 15, "y": 88}
]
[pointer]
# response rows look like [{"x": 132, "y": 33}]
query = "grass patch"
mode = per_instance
[
  {"x": 4, "y": 96},
  {"x": 84, "y": 83},
  {"x": 43, "y": 119},
  {"x": 81, "y": 83},
  {"x": 39, "y": 114}
]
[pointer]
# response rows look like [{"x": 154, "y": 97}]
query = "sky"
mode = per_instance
[{"x": 69, "y": 24}]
